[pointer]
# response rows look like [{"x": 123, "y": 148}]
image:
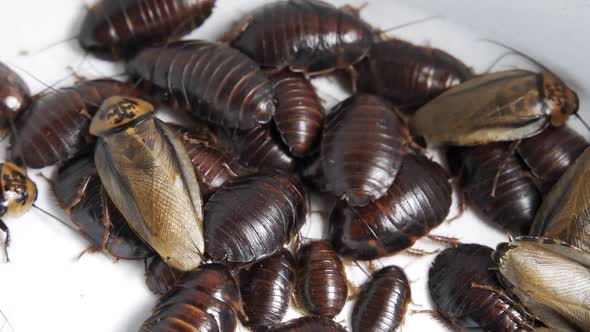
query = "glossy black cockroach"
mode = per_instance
[
  {"x": 161, "y": 277},
  {"x": 550, "y": 278},
  {"x": 383, "y": 301},
  {"x": 251, "y": 218},
  {"x": 362, "y": 148},
  {"x": 114, "y": 29},
  {"x": 206, "y": 300},
  {"x": 308, "y": 324},
  {"x": 466, "y": 292},
  {"x": 55, "y": 127},
  {"x": 145, "y": 170},
  {"x": 266, "y": 288},
  {"x": 79, "y": 191},
  {"x": 15, "y": 96},
  {"x": 418, "y": 201},
  {"x": 212, "y": 81}
]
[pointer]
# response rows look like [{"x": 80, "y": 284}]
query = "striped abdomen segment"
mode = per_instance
[
  {"x": 309, "y": 324},
  {"x": 161, "y": 277}
]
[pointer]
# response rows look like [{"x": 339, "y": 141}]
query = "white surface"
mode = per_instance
[{"x": 46, "y": 288}]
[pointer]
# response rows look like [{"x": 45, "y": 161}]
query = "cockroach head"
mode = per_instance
[
  {"x": 119, "y": 112},
  {"x": 564, "y": 100},
  {"x": 20, "y": 192}
]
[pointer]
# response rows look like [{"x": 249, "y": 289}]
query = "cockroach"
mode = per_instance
[
  {"x": 383, "y": 301},
  {"x": 308, "y": 36},
  {"x": 15, "y": 96},
  {"x": 418, "y": 200},
  {"x": 515, "y": 200},
  {"x": 462, "y": 285},
  {"x": 79, "y": 191},
  {"x": 55, "y": 127},
  {"x": 146, "y": 172},
  {"x": 321, "y": 286},
  {"x": 299, "y": 114},
  {"x": 161, "y": 277},
  {"x": 206, "y": 300},
  {"x": 252, "y": 217},
  {"x": 309, "y": 324},
  {"x": 362, "y": 149},
  {"x": 409, "y": 75},
  {"x": 266, "y": 288},
  {"x": 213, "y": 81},
  {"x": 549, "y": 154},
  {"x": 565, "y": 211},
  {"x": 114, "y": 29},
  {"x": 550, "y": 278},
  {"x": 503, "y": 106}
]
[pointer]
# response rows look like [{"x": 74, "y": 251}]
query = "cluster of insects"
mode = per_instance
[{"x": 217, "y": 206}]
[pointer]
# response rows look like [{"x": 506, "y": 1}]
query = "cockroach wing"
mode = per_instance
[
  {"x": 149, "y": 177},
  {"x": 504, "y": 106},
  {"x": 551, "y": 278},
  {"x": 565, "y": 211}
]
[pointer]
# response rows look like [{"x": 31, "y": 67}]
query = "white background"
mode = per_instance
[{"x": 46, "y": 288}]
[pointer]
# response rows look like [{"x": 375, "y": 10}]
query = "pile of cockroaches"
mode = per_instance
[{"x": 215, "y": 205}]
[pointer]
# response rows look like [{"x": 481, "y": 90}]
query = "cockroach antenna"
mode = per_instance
[
  {"x": 6, "y": 322},
  {"x": 582, "y": 121},
  {"x": 56, "y": 218},
  {"x": 410, "y": 23},
  {"x": 515, "y": 51}
]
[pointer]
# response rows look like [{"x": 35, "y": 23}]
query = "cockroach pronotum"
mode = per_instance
[
  {"x": 467, "y": 293},
  {"x": 409, "y": 75},
  {"x": 510, "y": 198},
  {"x": 308, "y": 36},
  {"x": 565, "y": 211},
  {"x": 251, "y": 218},
  {"x": 15, "y": 96},
  {"x": 55, "y": 127},
  {"x": 321, "y": 286},
  {"x": 502, "y": 106},
  {"x": 309, "y": 323},
  {"x": 79, "y": 191},
  {"x": 418, "y": 200},
  {"x": 146, "y": 172},
  {"x": 206, "y": 299},
  {"x": 114, "y": 29},
  {"x": 362, "y": 149},
  {"x": 383, "y": 301},
  {"x": 212, "y": 81},
  {"x": 161, "y": 277},
  {"x": 266, "y": 289},
  {"x": 550, "y": 278}
]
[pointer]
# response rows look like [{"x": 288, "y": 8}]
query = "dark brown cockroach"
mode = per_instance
[
  {"x": 383, "y": 301},
  {"x": 309, "y": 324},
  {"x": 516, "y": 198},
  {"x": 502, "y": 106},
  {"x": 161, "y": 277},
  {"x": 565, "y": 211},
  {"x": 409, "y": 75},
  {"x": 549, "y": 154},
  {"x": 307, "y": 36},
  {"x": 15, "y": 96},
  {"x": 213, "y": 81},
  {"x": 55, "y": 127},
  {"x": 251, "y": 218},
  {"x": 205, "y": 300},
  {"x": 362, "y": 149},
  {"x": 321, "y": 286},
  {"x": 266, "y": 288},
  {"x": 114, "y": 29},
  {"x": 299, "y": 115},
  {"x": 79, "y": 191},
  {"x": 462, "y": 285},
  {"x": 418, "y": 200}
]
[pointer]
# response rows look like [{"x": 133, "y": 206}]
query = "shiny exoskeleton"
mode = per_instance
[
  {"x": 309, "y": 324},
  {"x": 383, "y": 301},
  {"x": 457, "y": 281},
  {"x": 15, "y": 96},
  {"x": 55, "y": 127},
  {"x": 266, "y": 288},
  {"x": 308, "y": 36},
  {"x": 362, "y": 149},
  {"x": 418, "y": 201},
  {"x": 114, "y": 29},
  {"x": 161, "y": 277},
  {"x": 79, "y": 191},
  {"x": 205, "y": 300},
  {"x": 321, "y": 285},
  {"x": 409, "y": 75},
  {"x": 212, "y": 81},
  {"x": 251, "y": 218}
]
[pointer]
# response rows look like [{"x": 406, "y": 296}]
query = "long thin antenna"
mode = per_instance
[
  {"x": 52, "y": 45},
  {"x": 493, "y": 64},
  {"x": 582, "y": 121},
  {"x": 528, "y": 57},
  {"x": 407, "y": 24},
  {"x": 6, "y": 321},
  {"x": 56, "y": 218}
]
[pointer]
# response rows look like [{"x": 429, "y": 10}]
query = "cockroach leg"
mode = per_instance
[
  {"x": 452, "y": 241},
  {"x": 509, "y": 152},
  {"x": 79, "y": 195},
  {"x": 353, "y": 291},
  {"x": 420, "y": 252},
  {"x": 48, "y": 180},
  {"x": 4, "y": 228},
  {"x": 355, "y": 10},
  {"x": 106, "y": 219}
]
